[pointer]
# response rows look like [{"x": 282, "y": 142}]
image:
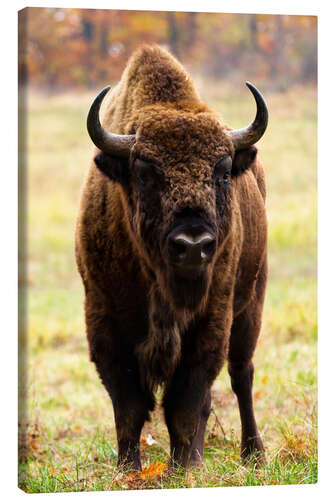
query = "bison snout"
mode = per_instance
[{"x": 188, "y": 251}]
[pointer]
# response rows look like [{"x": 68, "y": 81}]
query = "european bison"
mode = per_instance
[{"x": 171, "y": 248}]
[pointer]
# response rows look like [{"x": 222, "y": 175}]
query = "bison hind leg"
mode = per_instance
[{"x": 243, "y": 339}]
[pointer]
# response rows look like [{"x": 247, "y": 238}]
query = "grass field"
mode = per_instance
[{"x": 66, "y": 434}]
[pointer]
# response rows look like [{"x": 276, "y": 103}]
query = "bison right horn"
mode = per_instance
[
  {"x": 114, "y": 144},
  {"x": 247, "y": 136}
]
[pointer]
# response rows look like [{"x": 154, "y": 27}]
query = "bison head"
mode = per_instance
[{"x": 176, "y": 172}]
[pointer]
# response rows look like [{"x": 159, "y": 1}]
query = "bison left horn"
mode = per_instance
[
  {"x": 114, "y": 144},
  {"x": 245, "y": 137}
]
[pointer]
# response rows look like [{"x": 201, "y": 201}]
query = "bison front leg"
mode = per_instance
[
  {"x": 187, "y": 400},
  {"x": 119, "y": 373},
  {"x": 196, "y": 458},
  {"x": 186, "y": 414},
  {"x": 130, "y": 415},
  {"x": 131, "y": 405},
  {"x": 187, "y": 405},
  {"x": 244, "y": 334}
]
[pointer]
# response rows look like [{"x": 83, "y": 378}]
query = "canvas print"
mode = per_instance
[{"x": 167, "y": 265}]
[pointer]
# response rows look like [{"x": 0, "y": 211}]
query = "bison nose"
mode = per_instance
[{"x": 191, "y": 251}]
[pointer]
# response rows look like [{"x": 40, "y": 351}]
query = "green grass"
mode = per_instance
[{"x": 67, "y": 437}]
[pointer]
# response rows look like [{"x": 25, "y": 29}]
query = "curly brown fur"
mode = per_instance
[{"x": 147, "y": 324}]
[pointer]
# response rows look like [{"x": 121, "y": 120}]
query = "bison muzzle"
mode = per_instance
[{"x": 171, "y": 246}]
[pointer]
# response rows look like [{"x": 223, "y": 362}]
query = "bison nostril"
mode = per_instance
[
  {"x": 188, "y": 250},
  {"x": 177, "y": 249},
  {"x": 207, "y": 249}
]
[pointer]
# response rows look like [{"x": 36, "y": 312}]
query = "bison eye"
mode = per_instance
[
  {"x": 143, "y": 170},
  {"x": 222, "y": 170}
]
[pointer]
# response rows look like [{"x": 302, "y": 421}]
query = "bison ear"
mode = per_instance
[
  {"x": 113, "y": 167},
  {"x": 243, "y": 160}
]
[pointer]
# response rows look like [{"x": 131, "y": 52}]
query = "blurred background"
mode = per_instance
[
  {"x": 77, "y": 48},
  {"x": 66, "y": 435}
]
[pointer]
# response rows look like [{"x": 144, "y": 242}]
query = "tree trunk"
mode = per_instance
[{"x": 173, "y": 33}]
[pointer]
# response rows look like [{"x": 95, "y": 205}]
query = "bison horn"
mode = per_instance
[
  {"x": 114, "y": 144},
  {"x": 245, "y": 137}
]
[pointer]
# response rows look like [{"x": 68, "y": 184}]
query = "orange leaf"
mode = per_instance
[
  {"x": 152, "y": 471},
  {"x": 258, "y": 394},
  {"x": 264, "y": 379}
]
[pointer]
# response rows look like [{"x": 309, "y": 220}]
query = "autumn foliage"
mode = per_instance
[{"x": 61, "y": 48}]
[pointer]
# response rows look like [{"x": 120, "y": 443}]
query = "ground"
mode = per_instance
[{"x": 66, "y": 434}]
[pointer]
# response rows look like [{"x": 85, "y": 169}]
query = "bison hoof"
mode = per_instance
[
  {"x": 183, "y": 463},
  {"x": 129, "y": 465},
  {"x": 253, "y": 452},
  {"x": 196, "y": 459},
  {"x": 196, "y": 463}
]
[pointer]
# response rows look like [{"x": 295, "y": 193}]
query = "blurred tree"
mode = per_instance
[
  {"x": 253, "y": 25},
  {"x": 87, "y": 29},
  {"x": 173, "y": 32},
  {"x": 192, "y": 29},
  {"x": 88, "y": 47}
]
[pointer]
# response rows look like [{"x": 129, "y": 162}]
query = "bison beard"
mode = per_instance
[
  {"x": 171, "y": 245},
  {"x": 159, "y": 353},
  {"x": 188, "y": 294}
]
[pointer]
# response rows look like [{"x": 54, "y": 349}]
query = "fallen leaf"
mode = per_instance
[
  {"x": 152, "y": 471},
  {"x": 258, "y": 394},
  {"x": 148, "y": 441},
  {"x": 190, "y": 480},
  {"x": 264, "y": 379}
]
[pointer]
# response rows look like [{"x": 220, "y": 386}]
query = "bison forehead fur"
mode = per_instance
[{"x": 171, "y": 247}]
